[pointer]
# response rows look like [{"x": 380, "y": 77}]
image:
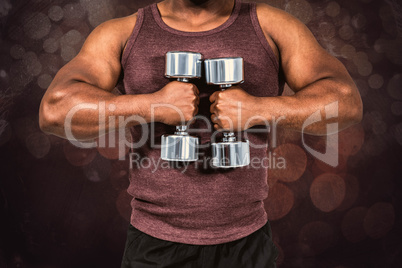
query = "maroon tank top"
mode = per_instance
[{"x": 194, "y": 203}]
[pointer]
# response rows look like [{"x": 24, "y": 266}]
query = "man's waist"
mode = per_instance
[{"x": 199, "y": 225}]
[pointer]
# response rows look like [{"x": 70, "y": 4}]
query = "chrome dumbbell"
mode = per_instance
[
  {"x": 226, "y": 72},
  {"x": 182, "y": 66}
]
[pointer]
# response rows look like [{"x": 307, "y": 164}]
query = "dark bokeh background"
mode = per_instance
[{"x": 61, "y": 206}]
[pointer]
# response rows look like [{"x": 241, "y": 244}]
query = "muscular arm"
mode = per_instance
[
  {"x": 88, "y": 80},
  {"x": 317, "y": 78}
]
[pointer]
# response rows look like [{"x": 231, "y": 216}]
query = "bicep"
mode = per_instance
[
  {"x": 100, "y": 72},
  {"x": 98, "y": 62},
  {"x": 303, "y": 60}
]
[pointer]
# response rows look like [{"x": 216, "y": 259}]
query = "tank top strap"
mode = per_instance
[
  {"x": 260, "y": 34},
  {"x": 133, "y": 36}
]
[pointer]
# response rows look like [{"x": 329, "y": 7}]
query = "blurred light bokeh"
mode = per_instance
[{"x": 62, "y": 206}]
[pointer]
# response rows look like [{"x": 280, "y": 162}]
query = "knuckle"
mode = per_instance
[{"x": 190, "y": 86}]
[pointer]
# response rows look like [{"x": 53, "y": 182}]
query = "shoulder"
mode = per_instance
[
  {"x": 271, "y": 17},
  {"x": 122, "y": 24},
  {"x": 271, "y": 21},
  {"x": 279, "y": 25},
  {"x": 285, "y": 30},
  {"x": 113, "y": 33}
]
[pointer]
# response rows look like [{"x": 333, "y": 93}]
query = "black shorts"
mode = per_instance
[{"x": 254, "y": 251}]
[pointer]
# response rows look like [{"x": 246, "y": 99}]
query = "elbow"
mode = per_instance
[
  {"x": 357, "y": 106},
  {"x": 50, "y": 118},
  {"x": 357, "y": 114},
  {"x": 353, "y": 108},
  {"x": 47, "y": 118}
]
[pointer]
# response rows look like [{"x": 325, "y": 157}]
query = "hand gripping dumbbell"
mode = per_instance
[
  {"x": 182, "y": 66},
  {"x": 226, "y": 72}
]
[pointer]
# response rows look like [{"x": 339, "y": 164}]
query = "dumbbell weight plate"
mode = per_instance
[
  {"x": 181, "y": 64},
  {"x": 224, "y": 71},
  {"x": 230, "y": 154},
  {"x": 182, "y": 148}
]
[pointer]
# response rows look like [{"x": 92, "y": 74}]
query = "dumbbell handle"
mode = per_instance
[
  {"x": 183, "y": 79},
  {"x": 182, "y": 129},
  {"x": 227, "y": 136}
]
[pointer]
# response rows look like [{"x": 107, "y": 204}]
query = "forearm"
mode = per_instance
[
  {"x": 331, "y": 101},
  {"x": 86, "y": 111}
]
